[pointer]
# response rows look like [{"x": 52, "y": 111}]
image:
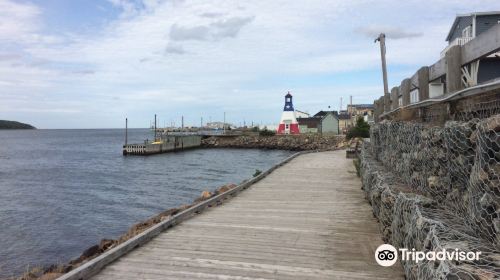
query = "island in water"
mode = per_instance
[{"x": 14, "y": 125}]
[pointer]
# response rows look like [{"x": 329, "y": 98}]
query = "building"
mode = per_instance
[
  {"x": 288, "y": 123},
  {"x": 361, "y": 110},
  {"x": 324, "y": 122},
  {"x": 309, "y": 125},
  {"x": 300, "y": 114},
  {"x": 464, "y": 29},
  {"x": 345, "y": 122},
  {"x": 329, "y": 122}
]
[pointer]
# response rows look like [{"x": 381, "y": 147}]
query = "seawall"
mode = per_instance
[
  {"x": 304, "y": 142},
  {"x": 434, "y": 188},
  {"x": 165, "y": 144}
]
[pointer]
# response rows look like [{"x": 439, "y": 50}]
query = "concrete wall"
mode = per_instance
[
  {"x": 448, "y": 70},
  {"x": 167, "y": 144}
]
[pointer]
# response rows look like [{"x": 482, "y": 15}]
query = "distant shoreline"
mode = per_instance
[{"x": 15, "y": 125}]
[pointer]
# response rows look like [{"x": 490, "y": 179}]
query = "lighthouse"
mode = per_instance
[{"x": 288, "y": 122}]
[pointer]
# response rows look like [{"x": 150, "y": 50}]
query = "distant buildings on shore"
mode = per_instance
[{"x": 324, "y": 122}]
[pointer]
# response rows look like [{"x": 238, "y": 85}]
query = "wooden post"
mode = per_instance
[
  {"x": 381, "y": 38},
  {"x": 155, "y": 129},
  {"x": 394, "y": 98},
  {"x": 405, "y": 91},
  {"x": 453, "y": 59},
  {"x": 423, "y": 83}
]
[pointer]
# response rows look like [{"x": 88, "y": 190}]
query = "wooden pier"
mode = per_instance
[
  {"x": 164, "y": 144},
  {"x": 307, "y": 219}
]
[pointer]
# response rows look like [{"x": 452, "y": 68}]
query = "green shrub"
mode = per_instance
[
  {"x": 257, "y": 172},
  {"x": 361, "y": 129},
  {"x": 266, "y": 132}
]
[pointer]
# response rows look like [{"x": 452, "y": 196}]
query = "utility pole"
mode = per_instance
[
  {"x": 182, "y": 122},
  {"x": 351, "y": 105},
  {"x": 201, "y": 122},
  {"x": 126, "y": 131},
  {"x": 381, "y": 39},
  {"x": 340, "y": 104},
  {"x": 155, "y": 129},
  {"x": 224, "y": 124}
]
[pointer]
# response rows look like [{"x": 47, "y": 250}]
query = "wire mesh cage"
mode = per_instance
[{"x": 452, "y": 171}]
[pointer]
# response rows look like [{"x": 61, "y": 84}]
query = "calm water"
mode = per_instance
[{"x": 61, "y": 191}]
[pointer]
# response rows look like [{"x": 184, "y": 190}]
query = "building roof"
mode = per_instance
[
  {"x": 288, "y": 95},
  {"x": 455, "y": 22},
  {"x": 305, "y": 113},
  {"x": 324, "y": 113},
  {"x": 344, "y": 117},
  {"x": 362, "y": 106},
  {"x": 310, "y": 122}
]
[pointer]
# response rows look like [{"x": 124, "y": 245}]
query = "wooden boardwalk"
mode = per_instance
[{"x": 306, "y": 220}]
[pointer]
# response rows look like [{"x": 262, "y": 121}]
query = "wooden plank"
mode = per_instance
[
  {"x": 306, "y": 220},
  {"x": 95, "y": 265}
]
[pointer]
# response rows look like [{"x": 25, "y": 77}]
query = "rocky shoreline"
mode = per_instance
[
  {"x": 56, "y": 270},
  {"x": 278, "y": 142}
]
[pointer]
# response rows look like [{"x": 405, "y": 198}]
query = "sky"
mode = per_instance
[{"x": 91, "y": 64}]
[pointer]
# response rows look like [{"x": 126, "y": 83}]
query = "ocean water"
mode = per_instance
[{"x": 62, "y": 191}]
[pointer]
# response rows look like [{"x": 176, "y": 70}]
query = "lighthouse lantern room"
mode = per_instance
[{"x": 288, "y": 122}]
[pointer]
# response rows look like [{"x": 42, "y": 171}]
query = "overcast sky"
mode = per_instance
[{"x": 90, "y": 64}]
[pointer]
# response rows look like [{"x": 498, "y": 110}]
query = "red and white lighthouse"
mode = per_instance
[{"x": 288, "y": 122}]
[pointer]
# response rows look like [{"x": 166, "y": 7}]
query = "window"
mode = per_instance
[
  {"x": 288, "y": 99},
  {"x": 436, "y": 89},
  {"x": 414, "y": 96},
  {"x": 467, "y": 32},
  {"x": 287, "y": 126},
  {"x": 400, "y": 101}
]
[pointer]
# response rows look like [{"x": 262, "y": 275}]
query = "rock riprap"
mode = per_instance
[
  {"x": 435, "y": 188},
  {"x": 279, "y": 142}
]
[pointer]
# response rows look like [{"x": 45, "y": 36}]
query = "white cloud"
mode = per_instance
[
  {"x": 18, "y": 21},
  {"x": 392, "y": 32},
  {"x": 191, "y": 55},
  {"x": 214, "y": 31}
]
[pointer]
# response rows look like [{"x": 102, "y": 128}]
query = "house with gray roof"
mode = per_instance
[
  {"x": 464, "y": 29},
  {"x": 324, "y": 122}
]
